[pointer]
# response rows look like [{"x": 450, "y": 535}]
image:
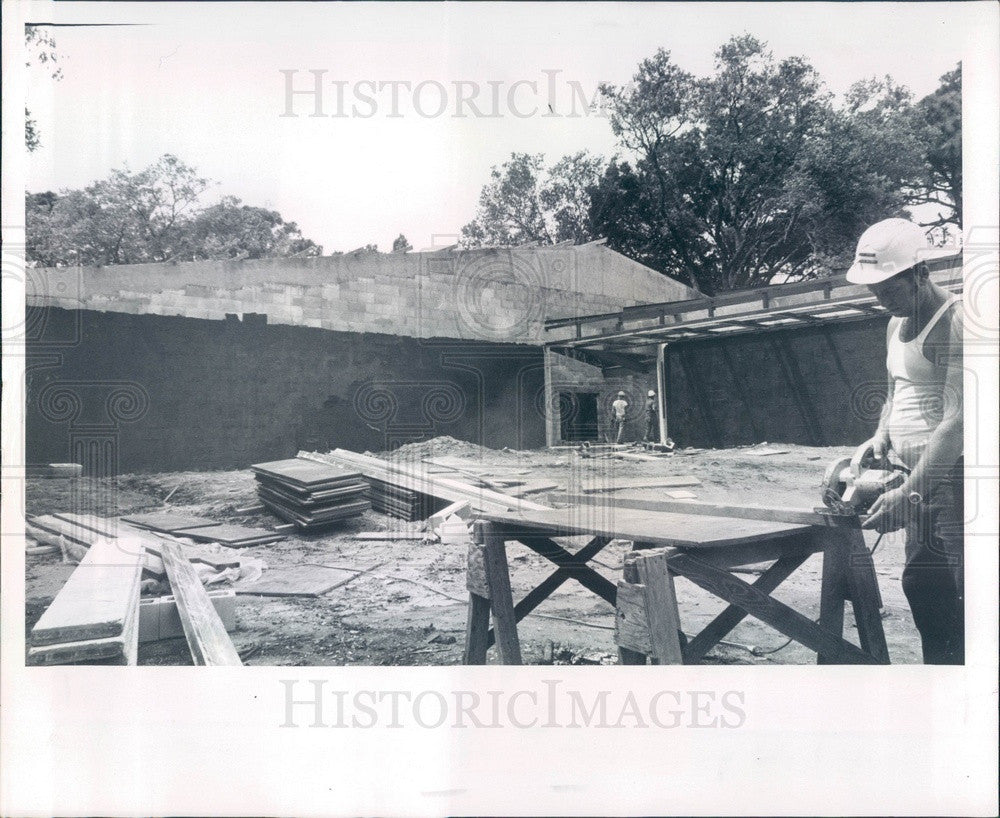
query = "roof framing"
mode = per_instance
[{"x": 765, "y": 309}]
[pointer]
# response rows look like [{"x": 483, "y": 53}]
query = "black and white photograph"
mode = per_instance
[{"x": 522, "y": 408}]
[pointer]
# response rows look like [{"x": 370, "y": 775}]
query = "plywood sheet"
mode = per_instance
[
  {"x": 168, "y": 521},
  {"x": 300, "y": 580}
]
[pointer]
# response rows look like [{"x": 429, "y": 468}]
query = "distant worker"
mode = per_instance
[
  {"x": 618, "y": 409},
  {"x": 921, "y": 424},
  {"x": 652, "y": 418}
]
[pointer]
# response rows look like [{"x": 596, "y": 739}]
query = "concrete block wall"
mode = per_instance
[
  {"x": 492, "y": 294},
  {"x": 168, "y": 393}
]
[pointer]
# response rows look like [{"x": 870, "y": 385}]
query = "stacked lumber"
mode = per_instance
[
  {"x": 310, "y": 494},
  {"x": 418, "y": 478},
  {"x": 398, "y": 501},
  {"x": 94, "y": 619}
]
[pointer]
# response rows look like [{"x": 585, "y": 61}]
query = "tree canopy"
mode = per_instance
[
  {"x": 526, "y": 202},
  {"x": 752, "y": 174},
  {"x": 153, "y": 215}
]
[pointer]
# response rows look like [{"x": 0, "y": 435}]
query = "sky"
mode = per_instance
[{"x": 205, "y": 82}]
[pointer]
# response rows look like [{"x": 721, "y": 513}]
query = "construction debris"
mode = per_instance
[{"x": 309, "y": 494}]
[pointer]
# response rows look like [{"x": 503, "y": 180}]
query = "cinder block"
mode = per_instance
[{"x": 158, "y": 618}]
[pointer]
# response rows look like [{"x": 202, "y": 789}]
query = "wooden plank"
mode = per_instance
[
  {"x": 112, "y": 650},
  {"x": 501, "y": 597},
  {"x": 476, "y": 626},
  {"x": 661, "y": 607},
  {"x": 235, "y": 536},
  {"x": 631, "y": 626},
  {"x": 53, "y": 525},
  {"x": 612, "y": 483},
  {"x": 306, "y": 472},
  {"x": 655, "y": 527},
  {"x": 98, "y": 597},
  {"x": 298, "y": 580},
  {"x": 768, "y": 610},
  {"x": 218, "y": 556},
  {"x": 475, "y": 571},
  {"x": 792, "y": 515},
  {"x": 168, "y": 522},
  {"x": 532, "y": 487},
  {"x": 206, "y": 636}
]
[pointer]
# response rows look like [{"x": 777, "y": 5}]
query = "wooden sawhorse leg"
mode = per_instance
[
  {"x": 488, "y": 581},
  {"x": 647, "y": 621},
  {"x": 849, "y": 574}
]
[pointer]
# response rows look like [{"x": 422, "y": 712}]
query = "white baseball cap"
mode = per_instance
[{"x": 886, "y": 249}]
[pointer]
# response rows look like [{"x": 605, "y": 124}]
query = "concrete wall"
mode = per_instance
[
  {"x": 127, "y": 393},
  {"x": 821, "y": 386},
  {"x": 500, "y": 295}
]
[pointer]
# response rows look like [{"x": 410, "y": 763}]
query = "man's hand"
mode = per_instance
[
  {"x": 880, "y": 444},
  {"x": 889, "y": 511}
]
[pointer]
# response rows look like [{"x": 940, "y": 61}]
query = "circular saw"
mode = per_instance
[{"x": 852, "y": 484}]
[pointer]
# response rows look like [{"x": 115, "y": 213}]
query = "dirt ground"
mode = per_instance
[{"x": 409, "y": 607}]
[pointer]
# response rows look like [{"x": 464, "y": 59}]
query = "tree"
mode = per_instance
[
  {"x": 523, "y": 202},
  {"x": 231, "y": 229},
  {"x": 401, "y": 244},
  {"x": 150, "y": 216},
  {"x": 938, "y": 119},
  {"x": 749, "y": 174},
  {"x": 41, "y": 48}
]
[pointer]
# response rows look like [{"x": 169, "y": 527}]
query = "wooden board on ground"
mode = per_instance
[
  {"x": 206, "y": 636},
  {"x": 235, "y": 536},
  {"x": 98, "y": 598},
  {"x": 112, "y": 650},
  {"x": 531, "y": 487},
  {"x": 389, "y": 536},
  {"x": 168, "y": 522},
  {"x": 299, "y": 580},
  {"x": 613, "y": 483},
  {"x": 89, "y": 526}
]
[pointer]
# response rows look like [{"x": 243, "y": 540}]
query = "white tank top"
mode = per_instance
[{"x": 918, "y": 389}]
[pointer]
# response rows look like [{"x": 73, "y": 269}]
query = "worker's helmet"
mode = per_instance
[
  {"x": 886, "y": 249},
  {"x": 651, "y": 393},
  {"x": 621, "y": 394}
]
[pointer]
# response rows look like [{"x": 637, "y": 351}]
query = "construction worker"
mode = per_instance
[
  {"x": 652, "y": 418},
  {"x": 921, "y": 424},
  {"x": 618, "y": 409}
]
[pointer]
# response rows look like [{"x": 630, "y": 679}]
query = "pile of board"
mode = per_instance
[
  {"x": 95, "y": 617},
  {"x": 310, "y": 494},
  {"x": 401, "y": 502}
]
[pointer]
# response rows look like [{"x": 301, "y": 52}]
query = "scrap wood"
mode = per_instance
[
  {"x": 121, "y": 649},
  {"x": 206, "y": 635}
]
